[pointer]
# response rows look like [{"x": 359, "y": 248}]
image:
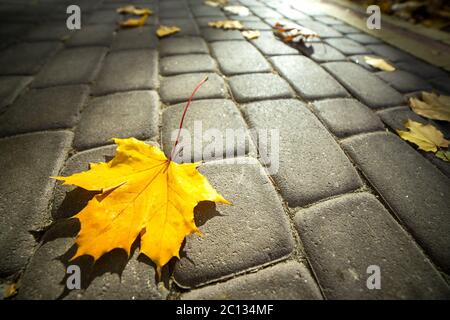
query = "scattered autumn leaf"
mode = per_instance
[
  {"x": 10, "y": 291},
  {"x": 425, "y": 136},
  {"x": 443, "y": 155},
  {"x": 293, "y": 33},
  {"x": 216, "y": 3},
  {"x": 251, "y": 34},
  {"x": 379, "y": 63},
  {"x": 134, "y": 10},
  {"x": 142, "y": 194},
  {"x": 164, "y": 31},
  {"x": 134, "y": 22},
  {"x": 238, "y": 10},
  {"x": 226, "y": 24},
  {"x": 432, "y": 107}
]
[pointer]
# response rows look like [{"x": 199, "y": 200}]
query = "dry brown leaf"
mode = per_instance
[
  {"x": 293, "y": 32},
  {"x": 226, "y": 24},
  {"x": 134, "y": 10},
  {"x": 425, "y": 136},
  {"x": 10, "y": 291},
  {"x": 432, "y": 107},
  {"x": 133, "y": 22},
  {"x": 164, "y": 31},
  {"x": 379, "y": 63},
  {"x": 238, "y": 10},
  {"x": 251, "y": 34}
]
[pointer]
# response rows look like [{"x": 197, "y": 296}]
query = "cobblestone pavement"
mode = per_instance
[{"x": 349, "y": 193}]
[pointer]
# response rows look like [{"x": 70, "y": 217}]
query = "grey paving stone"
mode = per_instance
[
  {"x": 388, "y": 52},
  {"x": 50, "y": 32},
  {"x": 27, "y": 58},
  {"x": 213, "y": 34},
  {"x": 364, "y": 38},
  {"x": 205, "y": 116},
  {"x": 323, "y": 30},
  {"x": 119, "y": 115},
  {"x": 442, "y": 84},
  {"x": 128, "y": 70},
  {"x": 71, "y": 66},
  {"x": 257, "y": 25},
  {"x": 27, "y": 162},
  {"x": 346, "y": 29},
  {"x": 344, "y": 236},
  {"x": 112, "y": 277},
  {"x": 206, "y": 11},
  {"x": 308, "y": 78},
  {"x": 10, "y": 88},
  {"x": 365, "y": 86},
  {"x": 259, "y": 86},
  {"x": 256, "y": 218},
  {"x": 404, "y": 81},
  {"x": 311, "y": 164},
  {"x": 51, "y": 108},
  {"x": 109, "y": 16},
  {"x": 415, "y": 190},
  {"x": 185, "y": 45},
  {"x": 328, "y": 20},
  {"x": 248, "y": 60},
  {"x": 92, "y": 35},
  {"x": 264, "y": 12},
  {"x": 188, "y": 26},
  {"x": 135, "y": 38},
  {"x": 269, "y": 45},
  {"x": 179, "y": 88},
  {"x": 187, "y": 63},
  {"x": 291, "y": 13},
  {"x": 347, "y": 46},
  {"x": 396, "y": 117},
  {"x": 421, "y": 69},
  {"x": 284, "y": 281},
  {"x": 345, "y": 117},
  {"x": 321, "y": 52}
]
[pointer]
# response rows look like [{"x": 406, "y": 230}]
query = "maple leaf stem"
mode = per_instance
[{"x": 184, "y": 114}]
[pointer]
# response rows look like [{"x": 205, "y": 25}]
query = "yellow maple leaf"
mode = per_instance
[
  {"x": 379, "y": 63},
  {"x": 134, "y": 22},
  {"x": 142, "y": 193},
  {"x": 226, "y": 24},
  {"x": 133, "y": 10},
  {"x": 425, "y": 136},
  {"x": 251, "y": 34},
  {"x": 164, "y": 31},
  {"x": 432, "y": 107}
]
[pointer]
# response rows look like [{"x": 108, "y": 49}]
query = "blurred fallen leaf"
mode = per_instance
[
  {"x": 251, "y": 34},
  {"x": 433, "y": 106},
  {"x": 443, "y": 155},
  {"x": 226, "y": 24},
  {"x": 10, "y": 291},
  {"x": 239, "y": 10},
  {"x": 164, "y": 31},
  {"x": 134, "y": 10},
  {"x": 379, "y": 63},
  {"x": 133, "y": 22},
  {"x": 216, "y": 3},
  {"x": 293, "y": 32},
  {"x": 425, "y": 136}
]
